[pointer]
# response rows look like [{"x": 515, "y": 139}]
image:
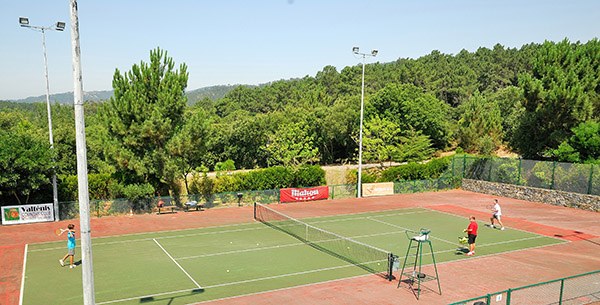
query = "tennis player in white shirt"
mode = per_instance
[{"x": 497, "y": 215}]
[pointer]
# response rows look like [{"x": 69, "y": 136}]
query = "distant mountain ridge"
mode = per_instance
[{"x": 213, "y": 92}]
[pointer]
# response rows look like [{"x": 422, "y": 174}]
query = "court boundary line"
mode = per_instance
[
  {"x": 324, "y": 269},
  {"x": 536, "y": 236},
  {"x": 223, "y": 226},
  {"x": 178, "y": 265},
  {"x": 484, "y": 223},
  {"x": 143, "y": 297},
  {"x": 407, "y": 229},
  {"x": 228, "y": 231},
  {"x": 358, "y": 276},
  {"x": 281, "y": 246},
  {"x": 23, "y": 276},
  {"x": 249, "y": 281}
]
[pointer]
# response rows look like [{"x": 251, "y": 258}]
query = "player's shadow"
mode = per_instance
[
  {"x": 77, "y": 263},
  {"x": 576, "y": 235},
  {"x": 461, "y": 251},
  {"x": 170, "y": 299}
]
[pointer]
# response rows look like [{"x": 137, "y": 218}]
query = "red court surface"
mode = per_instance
[{"x": 463, "y": 279}]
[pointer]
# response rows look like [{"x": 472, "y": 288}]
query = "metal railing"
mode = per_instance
[{"x": 573, "y": 290}]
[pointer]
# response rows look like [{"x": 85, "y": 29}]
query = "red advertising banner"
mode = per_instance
[{"x": 304, "y": 194}]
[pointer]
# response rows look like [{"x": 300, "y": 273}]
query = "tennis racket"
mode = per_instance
[{"x": 59, "y": 231}]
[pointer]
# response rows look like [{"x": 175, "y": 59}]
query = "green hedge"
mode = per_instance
[
  {"x": 415, "y": 171},
  {"x": 309, "y": 175},
  {"x": 101, "y": 186},
  {"x": 265, "y": 179}
]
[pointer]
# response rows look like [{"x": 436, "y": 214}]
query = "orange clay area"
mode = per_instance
[{"x": 459, "y": 280}]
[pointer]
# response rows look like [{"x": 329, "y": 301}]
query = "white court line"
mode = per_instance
[
  {"x": 165, "y": 237},
  {"x": 364, "y": 217},
  {"x": 145, "y": 296},
  {"x": 224, "y": 226},
  {"x": 242, "y": 282},
  {"x": 282, "y": 246},
  {"x": 178, "y": 265},
  {"x": 400, "y": 227},
  {"x": 23, "y": 276},
  {"x": 326, "y": 269},
  {"x": 219, "y": 232},
  {"x": 511, "y": 228}
]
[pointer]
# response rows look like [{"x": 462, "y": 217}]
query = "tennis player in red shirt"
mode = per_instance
[{"x": 471, "y": 231}]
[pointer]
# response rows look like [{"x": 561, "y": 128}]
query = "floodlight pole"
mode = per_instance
[
  {"x": 362, "y": 98},
  {"x": 59, "y": 27},
  {"x": 87, "y": 275}
]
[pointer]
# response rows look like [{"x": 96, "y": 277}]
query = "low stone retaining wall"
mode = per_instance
[{"x": 553, "y": 197}]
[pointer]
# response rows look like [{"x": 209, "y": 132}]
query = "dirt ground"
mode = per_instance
[{"x": 462, "y": 279}]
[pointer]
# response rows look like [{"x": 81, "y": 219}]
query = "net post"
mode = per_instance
[
  {"x": 254, "y": 210},
  {"x": 390, "y": 277}
]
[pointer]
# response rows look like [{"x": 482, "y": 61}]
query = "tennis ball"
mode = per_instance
[{"x": 227, "y": 270}]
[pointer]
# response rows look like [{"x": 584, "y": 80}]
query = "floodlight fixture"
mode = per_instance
[
  {"x": 23, "y": 21},
  {"x": 355, "y": 50},
  {"x": 60, "y": 26},
  {"x": 374, "y": 52}
]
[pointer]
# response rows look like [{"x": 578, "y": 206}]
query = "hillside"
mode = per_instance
[{"x": 214, "y": 93}]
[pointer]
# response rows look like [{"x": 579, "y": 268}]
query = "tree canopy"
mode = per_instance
[
  {"x": 541, "y": 101},
  {"x": 142, "y": 119}
]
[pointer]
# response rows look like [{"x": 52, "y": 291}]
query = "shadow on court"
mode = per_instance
[
  {"x": 171, "y": 299},
  {"x": 578, "y": 235}
]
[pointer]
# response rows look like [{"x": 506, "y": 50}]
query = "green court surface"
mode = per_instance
[{"x": 187, "y": 266}]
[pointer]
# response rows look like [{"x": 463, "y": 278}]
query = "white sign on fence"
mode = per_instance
[{"x": 29, "y": 213}]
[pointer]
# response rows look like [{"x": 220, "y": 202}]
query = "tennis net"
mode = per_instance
[{"x": 370, "y": 258}]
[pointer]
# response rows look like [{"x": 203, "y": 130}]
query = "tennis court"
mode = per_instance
[{"x": 196, "y": 265}]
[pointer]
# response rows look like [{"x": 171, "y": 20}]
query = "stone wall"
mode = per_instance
[{"x": 559, "y": 198}]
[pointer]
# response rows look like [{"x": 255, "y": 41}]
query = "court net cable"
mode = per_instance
[{"x": 369, "y": 258}]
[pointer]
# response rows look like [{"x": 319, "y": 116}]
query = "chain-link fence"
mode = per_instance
[
  {"x": 568, "y": 177},
  {"x": 574, "y": 290},
  {"x": 100, "y": 208}
]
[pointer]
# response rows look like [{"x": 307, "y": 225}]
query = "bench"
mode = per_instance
[
  {"x": 166, "y": 208},
  {"x": 193, "y": 204}
]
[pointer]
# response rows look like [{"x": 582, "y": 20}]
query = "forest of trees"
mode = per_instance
[{"x": 541, "y": 101}]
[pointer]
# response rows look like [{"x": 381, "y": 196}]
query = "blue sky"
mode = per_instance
[{"x": 253, "y": 41}]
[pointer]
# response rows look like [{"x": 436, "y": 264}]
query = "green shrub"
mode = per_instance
[
  {"x": 67, "y": 188},
  {"x": 309, "y": 175},
  {"x": 368, "y": 178},
  {"x": 269, "y": 178},
  {"x": 204, "y": 185},
  {"x": 436, "y": 167},
  {"x": 229, "y": 183},
  {"x": 100, "y": 186},
  {"x": 136, "y": 192},
  {"x": 352, "y": 177},
  {"x": 416, "y": 171}
]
